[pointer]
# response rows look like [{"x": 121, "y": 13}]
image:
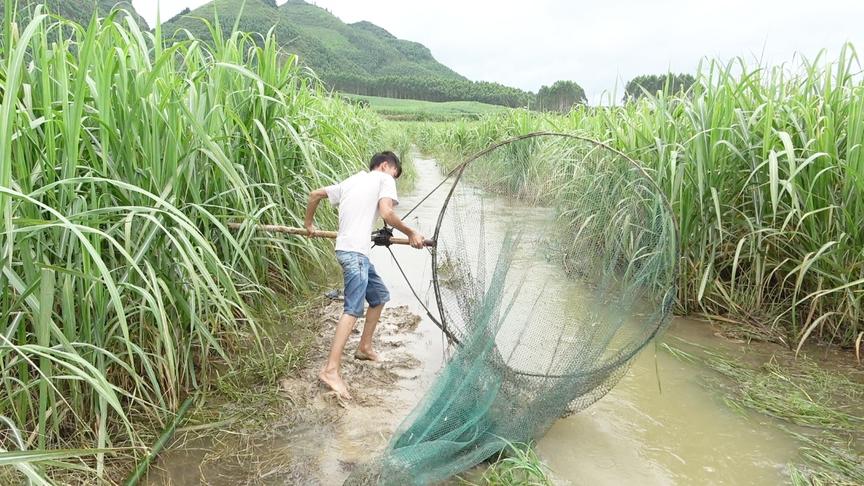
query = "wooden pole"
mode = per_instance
[{"x": 275, "y": 228}]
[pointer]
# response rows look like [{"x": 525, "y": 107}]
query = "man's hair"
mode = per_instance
[{"x": 388, "y": 157}]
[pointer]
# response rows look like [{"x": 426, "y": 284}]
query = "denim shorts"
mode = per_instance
[{"x": 361, "y": 282}]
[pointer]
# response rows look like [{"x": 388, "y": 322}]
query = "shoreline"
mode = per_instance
[{"x": 319, "y": 438}]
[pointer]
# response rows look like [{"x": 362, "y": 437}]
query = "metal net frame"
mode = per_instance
[{"x": 545, "y": 303}]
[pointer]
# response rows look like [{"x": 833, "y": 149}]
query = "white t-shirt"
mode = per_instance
[{"x": 357, "y": 199}]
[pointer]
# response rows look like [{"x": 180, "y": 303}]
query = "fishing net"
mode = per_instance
[{"x": 545, "y": 304}]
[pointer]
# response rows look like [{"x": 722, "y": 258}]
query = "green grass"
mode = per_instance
[
  {"x": 764, "y": 170},
  {"x": 122, "y": 160},
  {"x": 831, "y": 461},
  {"x": 418, "y": 110},
  {"x": 518, "y": 464}
]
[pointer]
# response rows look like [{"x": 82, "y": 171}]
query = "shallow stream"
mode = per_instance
[{"x": 637, "y": 434}]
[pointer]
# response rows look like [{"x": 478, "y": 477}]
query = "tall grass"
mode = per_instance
[
  {"x": 764, "y": 167},
  {"x": 518, "y": 464},
  {"x": 124, "y": 155}
]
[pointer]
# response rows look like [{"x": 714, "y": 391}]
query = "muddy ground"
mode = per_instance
[{"x": 306, "y": 434}]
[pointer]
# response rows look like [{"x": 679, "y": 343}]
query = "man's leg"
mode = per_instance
[
  {"x": 355, "y": 271},
  {"x": 377, "y": 295},
  {"x": 364, "y": 350},
  {"x": 330, "y": 373}
]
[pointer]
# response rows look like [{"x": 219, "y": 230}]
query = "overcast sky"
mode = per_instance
[{"x": 597, "y": 44}]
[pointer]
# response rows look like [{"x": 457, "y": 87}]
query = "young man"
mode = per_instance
[{"x": 361, "y": 199}]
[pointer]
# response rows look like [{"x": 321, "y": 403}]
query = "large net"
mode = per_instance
[{"x": 545, "y": 300}]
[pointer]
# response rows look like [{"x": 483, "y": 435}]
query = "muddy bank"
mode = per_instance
[{"x": 316, "y": 438}]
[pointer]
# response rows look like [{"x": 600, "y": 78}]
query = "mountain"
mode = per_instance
[
  {"x": 371, "y": 48},
  {"x": 80, "y": 11},
  {"x": 360, "y": 57},
  {"x": 321, "y": 40}
]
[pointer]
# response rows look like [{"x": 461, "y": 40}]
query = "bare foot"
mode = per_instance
[
  {"x": 366, "y": 355},
  {"x": 334, "y": 381}
]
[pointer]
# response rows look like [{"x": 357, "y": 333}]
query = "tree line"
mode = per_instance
[
  {"x": 559, "y": 97},
  {"x": 651, "y": 84},
  {"x": 430, "y": 89}
]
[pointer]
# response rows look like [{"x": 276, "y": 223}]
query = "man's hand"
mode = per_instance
[
  {"x": 314, "y": 198},
  {"x": 416, "y": 240},
  {"x": 385, "y": 208}
]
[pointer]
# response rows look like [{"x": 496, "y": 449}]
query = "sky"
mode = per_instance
[{"x": 600, "y": 44}]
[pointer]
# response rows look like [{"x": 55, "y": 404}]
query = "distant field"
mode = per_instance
[{"x": 396, "y": 109}]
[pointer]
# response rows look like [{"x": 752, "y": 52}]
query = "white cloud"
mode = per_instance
[{"x": 529, "y": 44}]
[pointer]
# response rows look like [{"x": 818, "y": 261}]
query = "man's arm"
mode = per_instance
[
  {"x": 315, "y": 197},
  {"x": 385, "y": 208}
]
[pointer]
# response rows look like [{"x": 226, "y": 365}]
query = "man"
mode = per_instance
[{"x": 361, "y": 199}]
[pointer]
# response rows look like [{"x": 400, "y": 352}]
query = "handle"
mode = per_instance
[{"x": 275, "y": 228}]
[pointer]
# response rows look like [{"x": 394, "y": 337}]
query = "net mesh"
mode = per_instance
[{"x": 546, "y": 301}]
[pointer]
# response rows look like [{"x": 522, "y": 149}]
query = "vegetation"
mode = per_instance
[
  {"x": 125, "y": 153},
  {"x": 832, "y": 462},
  {"x": 763, "y": 170},
  {"x": 518, "y": 464},
  {"x": 651, "y": 84},
  {"x": 560, "y": 97},
  {"x": 431, "y": 89},
  {"x": 417, "y": 110},
  {"x": 359, "y": 58},
  {"x": 123, "y": 159}
]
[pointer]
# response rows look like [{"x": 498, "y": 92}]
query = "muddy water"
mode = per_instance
[
  {"x": 636, "y": 434},
  {"x": 682, "y": 435}
]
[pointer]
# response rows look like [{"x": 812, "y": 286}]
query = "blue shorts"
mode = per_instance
[{"x": 361, "y": 282}]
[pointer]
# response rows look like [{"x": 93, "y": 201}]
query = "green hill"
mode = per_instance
[
  {"x": 80, "y": 11},
  {"x": 321, "y": 40},
  {"x": 371, "y": 48},
  {"x": 360, "y": 58}
]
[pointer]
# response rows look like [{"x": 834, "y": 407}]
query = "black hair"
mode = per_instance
[{"x": 388, "y": 157}]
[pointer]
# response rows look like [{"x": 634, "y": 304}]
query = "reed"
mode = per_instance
[
  {"x": 764, "y": 168},
  {"x": 123, "y": 157}
]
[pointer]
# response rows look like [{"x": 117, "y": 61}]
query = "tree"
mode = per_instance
[
  {"x": 182, "y": 14},
  {"x": 668, "y": 83},
  {"x": 561, "y": 96}
]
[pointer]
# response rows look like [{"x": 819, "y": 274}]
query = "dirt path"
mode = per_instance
[
  {"x": 353, "y": 432},
  {"x": 307, "y": 435}
]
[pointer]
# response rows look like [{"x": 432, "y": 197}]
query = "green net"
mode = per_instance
[{"x": 545, "y": 303}]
